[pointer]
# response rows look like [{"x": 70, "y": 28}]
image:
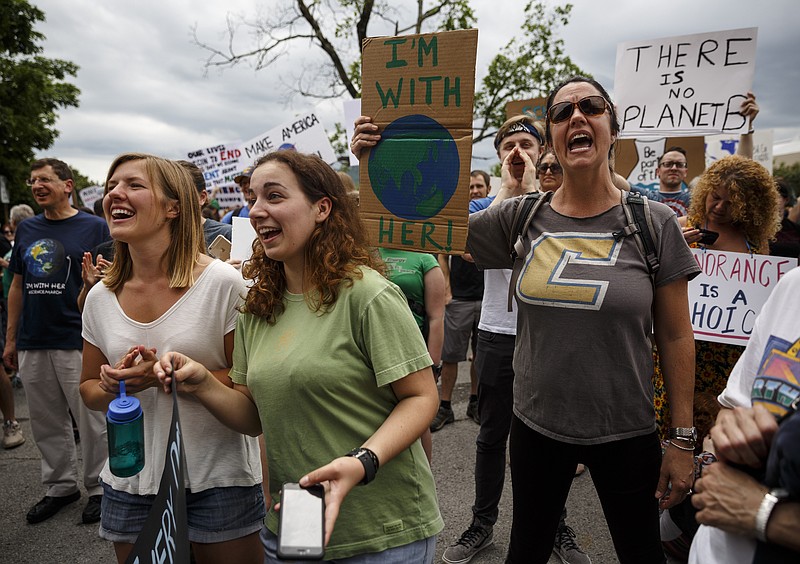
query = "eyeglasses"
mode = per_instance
[
  {"x": 591, "y": 106},
  {"x": 42, "y": 180},
  {"x": 555, "y": 168},
  {"x": 674, "y": 164}
]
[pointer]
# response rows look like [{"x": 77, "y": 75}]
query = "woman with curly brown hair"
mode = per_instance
[
  {"x": 737, "y": 198},
  {"x": 328, "y": 357}
]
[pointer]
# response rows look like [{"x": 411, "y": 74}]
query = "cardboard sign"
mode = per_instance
[
  {"x": 726, "y": 297},
  {"x": 721, "y": 146},
  {"x": 534, "y": 107},
  {"x": 165, "y": 536},
  {"x": 414, "y": 183},
  {"x": 686, "y": 85},
  {"x": 637, "y": 160}
]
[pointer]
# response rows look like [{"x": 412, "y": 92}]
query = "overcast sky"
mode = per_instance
[{"x": 144, "y": 86}]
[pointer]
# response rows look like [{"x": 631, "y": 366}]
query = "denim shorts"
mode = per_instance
[
  {"x": 418, "y": 552},
  {"x": 214, "y": 515}
]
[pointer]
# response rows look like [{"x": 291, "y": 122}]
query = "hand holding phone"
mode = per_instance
[
  {"x": 301, "y": 530},
  {"x": 220, "y": 248},
  {"x": 708, "y": 237}
]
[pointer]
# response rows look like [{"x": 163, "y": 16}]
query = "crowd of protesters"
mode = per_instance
[{"x": 317, "y": 360}]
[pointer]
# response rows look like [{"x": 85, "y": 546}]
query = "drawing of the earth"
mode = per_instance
[
  {"x": 414, "y": 169},
  {"x": 44, "y": 257}
]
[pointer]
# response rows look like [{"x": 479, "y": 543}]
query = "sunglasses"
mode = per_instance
[
  {"x": 555, "y": 168},
  {"x": 591, "y": 106}
]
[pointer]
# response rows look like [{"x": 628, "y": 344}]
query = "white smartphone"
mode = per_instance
[
  {"x": 220, "y": 248},
  {"x": 301, "y": 530}
]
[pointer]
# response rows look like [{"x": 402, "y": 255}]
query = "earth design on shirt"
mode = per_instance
[
  {"x": 414, "y": 169},
  {"x": 44, "y": 258}
]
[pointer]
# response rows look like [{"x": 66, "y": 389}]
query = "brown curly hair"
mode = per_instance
[
  {"x": 334, "y": 254},
  {"x": 755, "y": 203}
]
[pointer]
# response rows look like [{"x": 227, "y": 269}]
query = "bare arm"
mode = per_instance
[
  {"x": 434, "y": 309},
  {"x": 675, "y": 341},
  {"x": 444, "y": 264},
  {"x": 749, "y": 110},
  {"x": 234, "y": 407},
  {"x": 417, "y": 405},
  {"x": 14, "y": 311}
]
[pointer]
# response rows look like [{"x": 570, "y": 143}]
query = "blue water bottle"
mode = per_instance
[{"x": 125, "y": 424}]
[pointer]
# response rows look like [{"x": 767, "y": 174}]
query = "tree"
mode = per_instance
[
  {"x": 32, "y": 88},
  {"x": 791, "y": 174},
  {"x": 525, "y": 68}
]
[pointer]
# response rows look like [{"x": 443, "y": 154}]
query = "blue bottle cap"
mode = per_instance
[{"x": 123, "y": 409}]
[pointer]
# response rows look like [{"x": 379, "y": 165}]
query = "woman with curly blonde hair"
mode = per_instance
[
  {"x": 737, "y": 198},
  {"x": 328, "y": 357}
]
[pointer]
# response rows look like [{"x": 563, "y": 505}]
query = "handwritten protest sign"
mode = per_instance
[
  {"x": 303, "y": 133},
  {"x": 222, "y": 163},
  {"x": 165, "y": 536},
  {"x": 91, "y": 194},
  {"x": 726, "y": 297},
  {"x": 414, "y": 184},
  {"x": 534, "y": 107},
  {"x": 637, "y": 159},
  {"x": 721, "y": 146},
  {"x": 686, "y": 85}
]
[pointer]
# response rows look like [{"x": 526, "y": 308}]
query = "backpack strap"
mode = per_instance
[
  {"x": 640, "y": 224},
  {"x": 526, "y": 209}
]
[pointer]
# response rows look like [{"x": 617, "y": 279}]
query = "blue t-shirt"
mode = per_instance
[
  {"x": 48, "y": 254},
  {"x": 240, "y": 212},
  {"x": 677, "y": 201}
]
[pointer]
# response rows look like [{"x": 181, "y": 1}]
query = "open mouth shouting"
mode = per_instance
[
  {"x": 268, "y": 234},
  {"x": 579, "y": 142}
]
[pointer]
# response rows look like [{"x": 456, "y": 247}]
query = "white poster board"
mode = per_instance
[
  {"x": 352, "y": 110},
  {"x": 303, "y": 133},
  {"x": 726, "y": 297},
  {"x": 686, "y": 85},
  {"x": 242, "y": 236},
  {"x": 721, "y": 146},
  {"x": 91, "y": 194},
  {"x": 220, "y": 165}
]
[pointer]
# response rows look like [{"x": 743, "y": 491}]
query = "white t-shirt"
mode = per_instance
[
  {"x": 760, "y": 368},
  {"x": 495, "y": 316},
  {"x": 195, "y": 325}
]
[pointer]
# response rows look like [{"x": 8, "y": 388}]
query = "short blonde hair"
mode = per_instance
[{"x": 169, "y": 182}]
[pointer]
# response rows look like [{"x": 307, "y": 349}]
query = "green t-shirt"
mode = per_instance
[
  {"x": 407, "y": 269},
  {"x": 321, "y": 384}
]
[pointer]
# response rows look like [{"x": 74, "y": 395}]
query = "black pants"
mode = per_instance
[
  {"x": 625, "y": 474},
  {"x": 493, "y": 363}
]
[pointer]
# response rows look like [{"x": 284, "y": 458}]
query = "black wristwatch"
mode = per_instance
[
  {"x": 370, "y": 462},
  {"x": 688, "y": 434}
]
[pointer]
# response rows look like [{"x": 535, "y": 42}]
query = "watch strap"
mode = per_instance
[
  {"x": 763, "y": 514},
  {"x": 370, "y": 462}
]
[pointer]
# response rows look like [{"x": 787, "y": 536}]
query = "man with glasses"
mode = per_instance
[
  {"x": 44, "y": 338},
  {"x": 672, "y": 190}
]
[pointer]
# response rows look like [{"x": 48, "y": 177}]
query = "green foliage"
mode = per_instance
[
  {"x": 527, "y": 67},
  {"x": 32, "y": 88},
  {"x": 791, "y": 174}
]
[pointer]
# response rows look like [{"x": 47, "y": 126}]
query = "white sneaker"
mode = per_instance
[{"x": 12, "y": 435}]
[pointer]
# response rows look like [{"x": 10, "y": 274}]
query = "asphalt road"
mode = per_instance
[{"x": 63, "y": 539}]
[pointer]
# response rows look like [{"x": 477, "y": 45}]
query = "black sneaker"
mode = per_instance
[
  {"x": 472, "y": 541},
  {"x": 472, "y": 411},
  {"x": 566, "y": 547},
  {"x": 91, "y": 513},
  {"x": 443, "y": 417}
]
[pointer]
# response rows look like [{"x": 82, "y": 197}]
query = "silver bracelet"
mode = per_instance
[
  {"x": 762, "y": 516},
  {"x": 681, "y": 447}
]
